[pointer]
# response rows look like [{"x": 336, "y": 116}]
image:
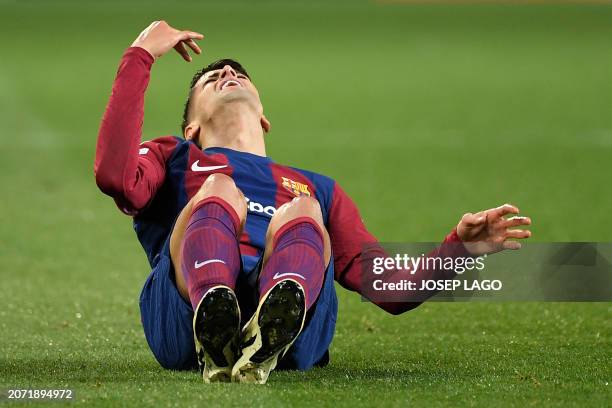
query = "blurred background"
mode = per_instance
[{"x": 420, "y": 110}]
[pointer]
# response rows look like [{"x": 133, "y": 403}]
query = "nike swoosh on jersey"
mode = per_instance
[
  {"x": 201, "y": 264},
  {"x": 281, "y": 275},
  {"x": 195, "y": 167}
]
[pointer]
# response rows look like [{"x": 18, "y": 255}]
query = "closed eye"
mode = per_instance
[
  {"x": 214, "y": 77},
  {"x": 210, "y": 79}
]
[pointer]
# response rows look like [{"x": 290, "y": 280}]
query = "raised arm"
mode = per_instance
[
  {"x": 354, "y": 248},
  {"x": 129, "y": 173}
]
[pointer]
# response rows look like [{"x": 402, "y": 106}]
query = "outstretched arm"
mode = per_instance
[
  {"x": 125, "y": 171},
  {"x": 354, "y": 249}
]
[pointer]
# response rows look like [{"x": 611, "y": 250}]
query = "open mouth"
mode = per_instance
[{"x": 229, "y": 83}]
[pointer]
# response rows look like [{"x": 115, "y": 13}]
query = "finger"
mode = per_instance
[
  {"x": 192, "y": 44},
  {"x": 516, "y": 221},
  {"x": 518, "y": 233},
  {"x": 513, "y": 245},
  {"x": 186, "y": 35},
  {"x": 180, "y": 48},
  {"x": 195, "y": 35},
  {"x": 504, "y": 210}
]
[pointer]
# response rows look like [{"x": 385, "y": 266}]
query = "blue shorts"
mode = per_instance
[{"x": 167, "y": 317}]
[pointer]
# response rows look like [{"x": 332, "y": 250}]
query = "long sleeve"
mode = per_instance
[
  {"x": 125, "y": 170},
  {"x": 355, "y": 248}
]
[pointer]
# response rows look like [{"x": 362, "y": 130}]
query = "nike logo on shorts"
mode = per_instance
[
  {"x": 196, "y": 167},
  {"x": 201, "y": 264}
]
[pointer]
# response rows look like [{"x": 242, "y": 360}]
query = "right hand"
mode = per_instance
[{"x": 159, "y": 37}]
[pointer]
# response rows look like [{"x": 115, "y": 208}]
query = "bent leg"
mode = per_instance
[
  {"x": 204, "y": 241},
  {"x": 205, "y": 252},
  {"x": 292, "y": 235},
  {"x": 297, "y": 247},
  {"x": 297, "y": 250}
]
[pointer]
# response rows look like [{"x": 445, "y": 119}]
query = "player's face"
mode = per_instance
[{"x": 216, "y": 89}]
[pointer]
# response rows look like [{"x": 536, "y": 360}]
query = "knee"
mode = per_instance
[
  {"x": 303, "y": 206},
  {"x": 222, "y": 186},
  {"x": 217, "y": 182}
]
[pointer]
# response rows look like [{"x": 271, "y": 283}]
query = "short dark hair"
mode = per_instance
[{"x": 219, "y": 64}]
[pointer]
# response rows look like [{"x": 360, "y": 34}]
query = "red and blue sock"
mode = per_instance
[
  {"x": 210, "y": 249},
  {"x": 297, "y": 255}
]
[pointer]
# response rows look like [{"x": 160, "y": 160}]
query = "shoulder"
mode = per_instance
[
  {"x": 164, "y": 147},
  {"x": 317, "y": 178},
  {"x": 165, "y": 141},
  {"x": 329, "y": 191}
]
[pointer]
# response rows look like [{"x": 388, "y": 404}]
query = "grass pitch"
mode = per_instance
[{"x": 420, "y": 112}]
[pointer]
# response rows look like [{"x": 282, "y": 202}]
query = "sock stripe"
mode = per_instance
[
  {"x": 295, "y": 223},
  {"x": 210, "y": 254},
  {"x": 297, "y": 255},
  {"x": 225, "y": 205}
]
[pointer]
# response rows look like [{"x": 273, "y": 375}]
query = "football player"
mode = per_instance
[{"x": 244, "y": 251}]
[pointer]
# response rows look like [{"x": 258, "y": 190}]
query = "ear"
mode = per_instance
[
  {"x": 192, "y": 132},
  {"x": 265, "y": 123}
]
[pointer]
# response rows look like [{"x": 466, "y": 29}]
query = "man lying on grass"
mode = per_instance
[{"x": 244, "y": 251}]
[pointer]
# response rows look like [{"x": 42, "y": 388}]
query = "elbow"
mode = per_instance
[
  {"x": 100, "y": 179},
  {"x": 129, "y": 202},
  {"x": 111, "y": 184},
  {"x": 107, "y": 183}
]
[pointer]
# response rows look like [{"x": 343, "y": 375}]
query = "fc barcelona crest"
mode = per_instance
[{"x": 297, "y": 189}]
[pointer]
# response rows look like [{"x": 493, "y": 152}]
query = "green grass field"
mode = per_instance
[{"x": 421, "y": 112}]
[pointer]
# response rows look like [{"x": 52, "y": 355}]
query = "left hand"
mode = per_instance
[{"x": 488, "y": 231}]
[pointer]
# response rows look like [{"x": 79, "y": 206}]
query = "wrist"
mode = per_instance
[
  {"x": 460, "y": 247},
  {"x": 144, "y": 51}
]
